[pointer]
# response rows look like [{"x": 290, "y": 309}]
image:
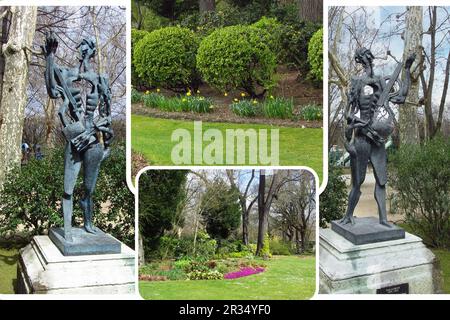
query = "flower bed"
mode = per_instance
[{"x": 246, "y": 271}]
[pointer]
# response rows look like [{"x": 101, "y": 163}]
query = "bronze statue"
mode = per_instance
[
  {"x": 88, "y": 138},
  {"x": 366, "y": 135}
]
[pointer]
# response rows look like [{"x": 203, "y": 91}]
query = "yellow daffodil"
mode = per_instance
[
  {"x": 184, "y": 100},
  {"x": 271, "y": 97},
  {"x": 188, "y": 93},
  {"x": 147, "y": 92},
  {"x": 225, "y": 94},
  {"x": 243, "y": 94},
  {"x": 201, "y": 98},
  {"x": 158, "y": 90},
  {"x": 255, "y": 102},
  {"x": 235, "y": 100},
  {"x": 198, "y": 91}
]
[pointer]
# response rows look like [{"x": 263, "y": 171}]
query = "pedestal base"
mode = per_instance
[
  {"x": 42, "y": 268},
  {"x": 367, "y": 230},
  {"x": 396, "y": 266},
  {"x": 83, "y": 242}
]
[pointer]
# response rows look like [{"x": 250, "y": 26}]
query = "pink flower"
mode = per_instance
[{"x": 243, "y": 272}]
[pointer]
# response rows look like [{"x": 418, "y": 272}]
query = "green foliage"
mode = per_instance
[
  {"x": 188, "y": 103},
  {"x": 136, "y": 36},
  {"x": 294, "y": 44},
  {"x": 160, "y": 194},
  {"x": 280, "y": 247},
  {"x": 265, "y": 250},
  {"x": 136, "y": 96},
  {"x": 420, "y": 175},
  {"x": 311, "y": 112},
  {"x": 233, "y": 249},
  {"x": 236, "y": 57},
  {"x": 166, "y": 58},
  {"x": 144, "y": 18},
  {"x": 205, "y": 275},
  {"x": 333, "y": 200},
  {"x": 245, "y": 108},
  {"x": 278, "y": 107},
  {"x": 315, "y": 55},
  {"x": 163, "y": 269},
  {"x": 30, "y": 200},
  {"x": 220, "y": 209}
]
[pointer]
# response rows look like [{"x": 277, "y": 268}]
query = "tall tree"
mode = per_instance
[
  {"x": 16, "y": 54},
  {"x": 264, "y": 203},
  {"x": 408, "y": 120},
  {"x": 246, "y": 204},
  {"x": 310, "y": 10},
  {"x": 160, "y": 194},
  {"x": 432, "y": 126}
]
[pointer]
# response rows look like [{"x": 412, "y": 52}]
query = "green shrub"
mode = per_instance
[
  {"x": 245, "y": 108},
  {"x": 420, "y": 175},
  {"x": 237, "y": 57},
  {"x": 186, "y": 103},
  {"x": 294, "y": 42},
  {"x": 265, "y": 250},
  {"x": 31, "y": 197},
  {"x": 166, "y": 58},
  {"x": 272, "y": 34},
  {"x": 136, "y": 36},
  {"x": 279, "y": 247},
  {"x": 182, "y": 264},
  {"x": 333, "y": 200},
  {"x": 315, "y": 55},
  {"x": 278, "y": 107},
  {"x": 205, "y": 275},
  {"x": 311, "y": 112}
]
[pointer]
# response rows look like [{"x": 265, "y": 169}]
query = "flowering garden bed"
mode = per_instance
[{"x": 244, "y": 272}]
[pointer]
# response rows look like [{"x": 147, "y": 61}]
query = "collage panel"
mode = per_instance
[
  {"x": 235, "y": 83},
  {"x": 66, "y": 213},
  {"x": 227, "y": 234},
  {"x": 385, "y": 214}
]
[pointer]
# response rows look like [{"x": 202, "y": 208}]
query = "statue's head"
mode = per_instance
[
  {"x": 87, "y": 48},
  {"x": 364, "y": 57}
]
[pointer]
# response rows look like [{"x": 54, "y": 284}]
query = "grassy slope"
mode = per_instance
[
  {"x": 8, "y": 270},
  {"x": 151, "y": 137},
  {"x": 287, "y": 278}
]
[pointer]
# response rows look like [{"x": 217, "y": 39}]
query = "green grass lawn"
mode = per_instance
[
  {"x": 286, "y": 278},
  {"x": 152, "y": 137},
  {"x": 444, "y": 262},
  {"x": 8, "y": 270}
]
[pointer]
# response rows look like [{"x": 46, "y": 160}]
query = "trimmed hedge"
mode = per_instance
[
  {"x": 237, "y": 57},
  {"x": 166, "y": 58}
]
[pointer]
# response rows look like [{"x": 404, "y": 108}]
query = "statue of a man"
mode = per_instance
[
  {"x": 366, "y": 135},
  {"x": 83, "y": 133}
]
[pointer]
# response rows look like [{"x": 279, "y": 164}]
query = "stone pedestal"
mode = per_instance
[
  {"x": 42, "y": 268},
  {"x": 394, "y": 266}
]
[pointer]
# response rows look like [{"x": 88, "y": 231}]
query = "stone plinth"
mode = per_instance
[
  {"x": 395, "y": 266},
  {"x": 367, "y": 230},
  {"x": 84, "y": 243},
  {"x": 42, "y": 268}
]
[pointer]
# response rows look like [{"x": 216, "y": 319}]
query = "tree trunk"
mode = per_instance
[
  {"x": 206, "y": 5},
  {"x": 50, "y": 110},
  {"x": 15, "y": 81},
  {"x": 261, "y": 210},
  {"x": 141, "y": 255},
  {"x": 310, "y": 10},
  {"x": 408, "y": 120},
  {"x": 245, "y": 222}
]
